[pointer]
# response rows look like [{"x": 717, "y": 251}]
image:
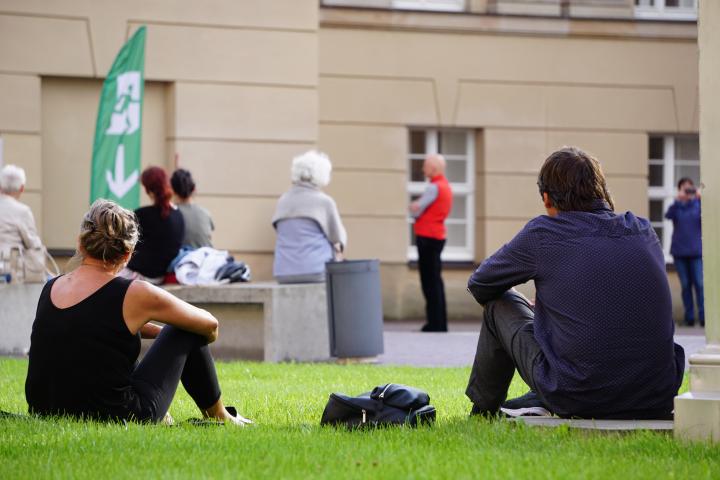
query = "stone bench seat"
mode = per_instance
[
  {"x": 258, "y": 321},
  {"x": 604, "y": 425},
  {"x": 265, "y": 321}
]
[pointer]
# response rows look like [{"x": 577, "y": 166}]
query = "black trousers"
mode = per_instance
[
  {"x": 176, "y": 355},
  {"x": 430, "y": 266},
  {"x": 506, "y": 342}
]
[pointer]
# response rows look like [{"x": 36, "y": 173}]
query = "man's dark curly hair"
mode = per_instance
[{"x": 573, "y": 180}]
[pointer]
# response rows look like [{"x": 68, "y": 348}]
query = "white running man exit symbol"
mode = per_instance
[{"x": 125, "y": 120}]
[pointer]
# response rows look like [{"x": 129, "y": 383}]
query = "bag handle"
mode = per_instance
[{"x": 52, "y": 262}]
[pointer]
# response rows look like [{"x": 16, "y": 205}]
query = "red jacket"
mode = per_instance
[{"x": 431, "y": 223}]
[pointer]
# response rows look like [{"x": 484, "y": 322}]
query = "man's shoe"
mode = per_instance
[
  {"x": 528, "y": 405},
  {"x": 431, "y": 328},
  {"x": 476, "y": 411}
]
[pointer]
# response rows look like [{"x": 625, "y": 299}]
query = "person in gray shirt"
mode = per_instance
[{"x": 198, "y": 223}]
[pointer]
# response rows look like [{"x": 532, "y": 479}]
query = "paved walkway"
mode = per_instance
[{"x": 405, "y": 345}]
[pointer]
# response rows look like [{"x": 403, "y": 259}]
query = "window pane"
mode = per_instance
[
  {"x": 417, "y": 141},
  {"x": 687, "y": 148},
  {"x": 655, "y": 175},
  {"x": 412, "y": 236},
  {"x": 672, "y": 3},
  {"x": 456, "y": 171},
  {"x": 459, "y": 207},
  {"x": 456, "y": 235},
  {"x": 657, "y": 148},
  {"x": 656, "y": 210},
  {"x": 690, "y": 171},
  {"x": 452, "y": 143},
  {"x": 416, "y": 172}
]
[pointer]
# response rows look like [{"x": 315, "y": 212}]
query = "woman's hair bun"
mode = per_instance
[{"x": 108, "y": 232}]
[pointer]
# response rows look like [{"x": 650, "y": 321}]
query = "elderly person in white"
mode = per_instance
[
  {"x": 17, "y": 225},
  {"x": 308, "y": 226}
]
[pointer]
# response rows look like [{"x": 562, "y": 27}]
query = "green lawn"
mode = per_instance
[{"x": 287, "y": 400}]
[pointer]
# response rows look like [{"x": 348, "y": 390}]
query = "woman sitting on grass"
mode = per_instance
[{"x": 86, "y": 337}]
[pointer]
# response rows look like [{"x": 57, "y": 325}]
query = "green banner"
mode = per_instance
[{"x": 116, "y": 150}]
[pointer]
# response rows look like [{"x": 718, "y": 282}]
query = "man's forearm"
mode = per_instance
[
  {"x": 486, "y": 293},
  {"x": 426, "y": 199}
]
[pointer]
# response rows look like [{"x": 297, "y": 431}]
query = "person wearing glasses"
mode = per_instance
[{"x": 686, "y": 248}]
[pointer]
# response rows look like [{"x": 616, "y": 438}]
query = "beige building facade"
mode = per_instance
[{"x": 235, "y": 89}]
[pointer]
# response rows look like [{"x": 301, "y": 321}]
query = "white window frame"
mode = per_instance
[
  {"x": 466, "y": 190},
  {"x": 668, "y": 191},
  {"x": 657, "y": 10},
  {"x": 433, "y": 5}
]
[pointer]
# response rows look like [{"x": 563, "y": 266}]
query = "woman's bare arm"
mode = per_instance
[
  {"x": 145, "y": 302},
  {"x": 150, "y": 330}
]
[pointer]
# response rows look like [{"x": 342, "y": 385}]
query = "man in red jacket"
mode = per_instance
[{"x": 430, "y": 212}]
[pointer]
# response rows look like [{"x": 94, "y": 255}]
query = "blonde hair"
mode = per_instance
[
  {"x": 312, "y": 166},
  {"x": 108, "y": 232}
]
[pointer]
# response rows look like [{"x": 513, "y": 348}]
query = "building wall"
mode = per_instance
[
  {"x": 524, "y": 95},
  {"x": 235, "y": 89},
  {"x": 231, "y": 95}
]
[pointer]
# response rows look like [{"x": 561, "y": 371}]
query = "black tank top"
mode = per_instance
[{"x": 82, "y": 357}]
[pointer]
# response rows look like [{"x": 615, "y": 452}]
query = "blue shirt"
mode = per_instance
[
  {"x": 686, "y": 237},
  {"x": 603, "y": 316}
]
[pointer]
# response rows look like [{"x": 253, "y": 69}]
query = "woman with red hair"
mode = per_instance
[{"x": 161, "y": 230}]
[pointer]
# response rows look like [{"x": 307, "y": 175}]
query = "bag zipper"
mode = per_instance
[
  {"x": 382, "y": 394},
  {"x": 355, "y": 407}
]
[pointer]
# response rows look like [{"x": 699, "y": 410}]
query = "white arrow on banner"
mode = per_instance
[{"x": 119, "y": 185}]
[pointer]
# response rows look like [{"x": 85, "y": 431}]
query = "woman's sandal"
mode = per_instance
[{"x": 237, "y": 420}]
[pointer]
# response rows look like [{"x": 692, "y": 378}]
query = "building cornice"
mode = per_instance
[{"x": 472, "y": 23}]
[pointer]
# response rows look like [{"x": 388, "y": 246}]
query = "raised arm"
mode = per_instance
[
  {"x": 672, "y": 211},
  {"x": 145, "y": 302}
]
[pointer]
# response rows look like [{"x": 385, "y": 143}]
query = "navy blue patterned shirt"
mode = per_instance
[
  {"x": 687, "y": 228},
  {"x": 603, "y": 315}
]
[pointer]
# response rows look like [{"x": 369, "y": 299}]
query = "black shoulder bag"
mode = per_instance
[{"x": 390, "y": 404}]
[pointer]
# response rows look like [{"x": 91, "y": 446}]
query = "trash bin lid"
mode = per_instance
[{"x": 353, "y": 266}]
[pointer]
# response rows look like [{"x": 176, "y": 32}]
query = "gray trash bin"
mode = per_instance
[{"x": 355, "y": 308}]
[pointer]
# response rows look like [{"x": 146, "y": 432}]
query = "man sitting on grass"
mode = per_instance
[{"x": 598, "y": 341}]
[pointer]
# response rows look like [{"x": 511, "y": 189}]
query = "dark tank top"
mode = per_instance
[{"x": 82, "y": 357}]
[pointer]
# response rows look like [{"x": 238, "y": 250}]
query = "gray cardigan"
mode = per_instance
[{"x": 305, "y": 200}]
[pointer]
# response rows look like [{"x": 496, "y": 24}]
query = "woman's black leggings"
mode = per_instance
[{"x": 175, "y": 355}]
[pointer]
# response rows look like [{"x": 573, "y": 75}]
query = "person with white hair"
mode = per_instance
[
  {"x": 307, "y": 223},
  {"x": 17, "y": 224}
]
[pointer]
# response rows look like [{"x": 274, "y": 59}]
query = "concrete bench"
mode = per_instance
[
  {"x": 604, "y": 425},
  {"x": 265, "y": 321},
  {"x": 18, "y": 303},
  {"x": 258, "y": 321}
]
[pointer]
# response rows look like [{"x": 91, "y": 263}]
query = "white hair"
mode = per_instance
[
  {"x": 12, "y": 179},
  {"x": 312, "y": 166}
]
